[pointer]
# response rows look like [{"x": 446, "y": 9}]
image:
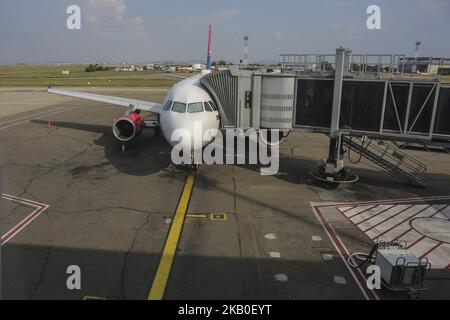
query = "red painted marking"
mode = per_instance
[
  {"x": 17, "y": 199},
  {"x": 348, "y": 209},
  {"x": 40, "y": 208},
  {"x": 404, "y": 233},
  {"x": 385, "y": 202},
  {"x": 357, "y": 214},
  {"x": 395, "y": 226},
  {"x": 387, "y": 231},
  {"x": 358, "y": 275},
  {"x": 392, "y": 201},
  {"x": 415, "y": 242},
  {"x": 382, "y": 211},
  {"x": 388, "y": 218},
  {"x": 438, "y": 211},
  {"x": 431, "y": 250}
]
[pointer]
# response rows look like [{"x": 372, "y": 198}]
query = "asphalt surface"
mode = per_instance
[{"x": 246, "y": 236}]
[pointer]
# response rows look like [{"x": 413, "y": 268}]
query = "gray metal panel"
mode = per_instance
[
  {"x": 224, "y": 89},
  {"x": 256, "y": 107},
  {"x": 337, "y": 92},
  {"x": 277, "y": 102},
  {"x": 244, "y": 114}
]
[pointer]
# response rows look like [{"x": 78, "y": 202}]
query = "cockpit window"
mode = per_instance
[
  {"x": 208, "y": 107},
  {"x": 213, "y": 105},
  {"x": 167, "y": 105},
  {"x": 195, "y": 107},
  {"x": 179, "y": 107}
]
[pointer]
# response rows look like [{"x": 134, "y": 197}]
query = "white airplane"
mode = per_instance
[{"x": 185, "y": 104}]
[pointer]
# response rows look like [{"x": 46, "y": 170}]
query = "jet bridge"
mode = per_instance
[{"x": 344, "y": 96}]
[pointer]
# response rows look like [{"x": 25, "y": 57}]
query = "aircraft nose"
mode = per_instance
[{"x": 187, "y": 134}]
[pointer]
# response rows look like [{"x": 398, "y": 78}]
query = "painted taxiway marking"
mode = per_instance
[
  {"x": 39, "y": 209},
  {"x": 423, "y": 225},
  {"x": 357, "y": 274},
  {"x": 165, "y": 265},
  {"x": 423, "y": 222},
  {"x": 209, "y": 216},
  {"x": 19, "y": 121}
]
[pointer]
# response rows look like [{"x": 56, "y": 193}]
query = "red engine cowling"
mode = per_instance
[{"x": 128, "y": 127}]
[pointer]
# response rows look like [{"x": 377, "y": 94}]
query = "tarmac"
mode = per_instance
[{"x": 72, "y": 196}]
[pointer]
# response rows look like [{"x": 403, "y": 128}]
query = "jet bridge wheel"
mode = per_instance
[{"x": 331, "y": 182}]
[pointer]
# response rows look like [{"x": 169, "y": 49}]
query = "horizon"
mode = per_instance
[{"x": 150, "y": 31}]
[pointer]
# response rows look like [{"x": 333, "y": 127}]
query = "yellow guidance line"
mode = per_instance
[{"x": 170, "y": 247}]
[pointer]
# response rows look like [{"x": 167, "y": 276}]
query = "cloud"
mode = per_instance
[
  {"x": 116, "y": 7},
  {"x": 110, "y": 19}
]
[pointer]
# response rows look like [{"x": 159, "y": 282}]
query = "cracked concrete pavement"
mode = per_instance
[{"x": 109, "y": 209}]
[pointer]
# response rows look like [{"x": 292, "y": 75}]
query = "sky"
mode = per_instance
[{"x": 177, "y": 30}]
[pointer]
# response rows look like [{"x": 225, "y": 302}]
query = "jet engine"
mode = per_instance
[{"x": 128, "y": 127}]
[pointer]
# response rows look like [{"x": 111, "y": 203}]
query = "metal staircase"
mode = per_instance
[{"x": 390, "y": 158}]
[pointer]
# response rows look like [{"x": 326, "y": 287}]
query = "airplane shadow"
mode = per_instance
[
  {"x": 145, "y": 156},
  {"x": 149, "y": 155}
]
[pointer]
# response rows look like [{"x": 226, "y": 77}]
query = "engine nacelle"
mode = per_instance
[{"x": 128, "y": 127}]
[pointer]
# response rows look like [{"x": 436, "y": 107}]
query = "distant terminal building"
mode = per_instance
[{"x": 426, "y": 65}]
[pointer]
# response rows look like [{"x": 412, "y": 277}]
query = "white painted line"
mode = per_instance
[
  {"x": 329, "y": 204},
  {"x": 357, "y": 274},
  {"x": 327, "y": 257},
  {"x": 16, "y": 122},
  {"x": 403, "y": 229},
  {"x": 374, "y": 211},
  {"x": 366, "y": 225},
  {"x": 281, "y": 277},
  {"x": 39, "y": 209},
  {"x": 415, "y": 221},
  {"x": 270, "y": 236},
  {"x": 17, "y": 199},
  {"x": 316, "y": 238},
  {"x": 275, "y": 255},
  {"x": 339, "y": 280},
  {"x": 440, "y": 257},
  {"x": 344, "y": 209},
  {"x": 424, "y": 246},
  {"x": 356, "y": 210},
  {"x": 446, "y": 212}
]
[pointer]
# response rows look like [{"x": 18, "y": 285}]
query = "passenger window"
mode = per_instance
[
  {"x": 213, "y": 105},
  {"x": 208, "y": 107},
  {"x": 179, "y": 107},
  {"x": 167, "y": 105},
  {"x": 195, "y": 107}
]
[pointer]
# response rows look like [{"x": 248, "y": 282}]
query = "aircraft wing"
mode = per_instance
[{"x": 125, "y": 102}]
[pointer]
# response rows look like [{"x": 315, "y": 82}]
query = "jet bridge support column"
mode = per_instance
[
  {"x": 335, "y": 158},
  {"x": 333, "y": 172}
]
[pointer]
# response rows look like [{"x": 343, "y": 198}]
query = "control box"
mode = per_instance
[{"x": 400, "y": 269}]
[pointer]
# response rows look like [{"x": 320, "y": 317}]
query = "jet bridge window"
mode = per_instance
[
  {"x": 179, "y": 107},
  {"x": 167, "y": 105},
  {"x": 195, "y": 107}
]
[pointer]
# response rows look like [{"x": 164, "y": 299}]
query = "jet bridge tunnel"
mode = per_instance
[{"x": 340, "y": 103}]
